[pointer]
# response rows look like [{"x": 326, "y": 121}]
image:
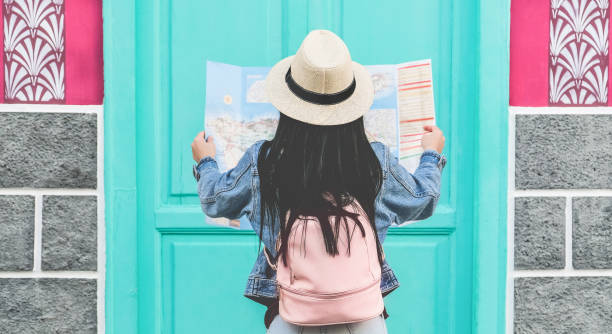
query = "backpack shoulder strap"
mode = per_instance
[
  {"x": 267, "y": 252},
  {"x": 272, "y": 265}
]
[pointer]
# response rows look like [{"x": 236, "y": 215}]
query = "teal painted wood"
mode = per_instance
[
  {"x": 157, "y": 241},
  {"x": 492, "y": 156},
  {"x": 121, "y": 286}
]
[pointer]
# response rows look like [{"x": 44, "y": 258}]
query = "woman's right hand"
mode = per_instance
[
  {"x": 202, "y": 147},
  {"x": 433, "y": 139}
]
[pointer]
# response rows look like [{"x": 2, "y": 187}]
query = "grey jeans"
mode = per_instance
[{"x": 373, "y": 326}]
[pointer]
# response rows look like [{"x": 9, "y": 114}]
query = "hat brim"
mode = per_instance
[{"x": 291, "y": 105}]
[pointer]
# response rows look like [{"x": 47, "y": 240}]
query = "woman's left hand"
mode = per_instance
[{"x": 200, "y": 147}]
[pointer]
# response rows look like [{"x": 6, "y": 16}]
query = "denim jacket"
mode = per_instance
[{"x": 402, "y": 197}]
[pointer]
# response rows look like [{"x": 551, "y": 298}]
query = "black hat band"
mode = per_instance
[{"x": 318, "y": 98}]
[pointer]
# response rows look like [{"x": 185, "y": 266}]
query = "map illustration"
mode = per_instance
[{"x": 238, "y": 114}]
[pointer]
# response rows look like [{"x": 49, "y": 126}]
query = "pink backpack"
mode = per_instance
[{"x": 318, "y": 289}]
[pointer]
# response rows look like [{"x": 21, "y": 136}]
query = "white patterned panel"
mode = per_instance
[
  {"x": 578, "y": 52},
  {"x": 34, "y": 51}
]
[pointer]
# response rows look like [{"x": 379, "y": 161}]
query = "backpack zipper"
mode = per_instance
[{"x": 327, "y": 295}]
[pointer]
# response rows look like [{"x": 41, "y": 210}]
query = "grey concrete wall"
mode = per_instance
[
  {"x": 47, "y": 305},
  {"x": 539, "y": 225},
  {"x": 592, "y": 230},
  {"x": 569, "y": 305},
  {"x": 16, "y": 232},
  {"x": 61, "y": 150},
  {"x": 49, "y": 270},
  {"x": 563, "y": 151},
  {"x": 561, "y": 216}
]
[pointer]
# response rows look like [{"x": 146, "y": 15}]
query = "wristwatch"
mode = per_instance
[
  {"x": 442, "y": 161},
  {"x": 196, "y": 175}
]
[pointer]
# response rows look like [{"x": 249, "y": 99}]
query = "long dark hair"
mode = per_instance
[{"x": 302, "y": 163}]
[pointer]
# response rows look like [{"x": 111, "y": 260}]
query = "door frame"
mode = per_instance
[{"x": 122, "y": 168}]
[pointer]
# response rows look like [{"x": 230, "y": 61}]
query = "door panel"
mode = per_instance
[
  {"x": 202, "y": 275},
  {"x": 193, "y": 274},
  {"x": 422, "y": 303}
]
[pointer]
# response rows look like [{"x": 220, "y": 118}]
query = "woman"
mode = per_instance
[{"x": 318, "y": 163}]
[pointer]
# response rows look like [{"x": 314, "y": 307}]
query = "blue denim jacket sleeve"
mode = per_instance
[
  {"x": 413, "y": 196},
  {"x": 227, "y": 194}
]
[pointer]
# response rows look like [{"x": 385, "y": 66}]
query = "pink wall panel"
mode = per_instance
[
  {"x": 55, "y": 52},
  {"x": 558, "y": 53},
  {"x": 2, "y": 58},
  {"x": 529, "y": 52},
  {"x": 84, "y": 65},
  {"x": 609, "y": 65}
]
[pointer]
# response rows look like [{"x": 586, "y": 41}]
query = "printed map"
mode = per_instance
[{"x": 238, "y": 114}]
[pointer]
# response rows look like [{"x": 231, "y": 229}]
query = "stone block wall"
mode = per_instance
[
  {"x": 560, "y": 171},
  {"x": 560, "y": 221},
  {"x": 52, "y": 234},
  {"x": 51, "y": 219}
]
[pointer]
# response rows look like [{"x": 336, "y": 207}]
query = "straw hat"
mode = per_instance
[{"x": 320, "y": 84}]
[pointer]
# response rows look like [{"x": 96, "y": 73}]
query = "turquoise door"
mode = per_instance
[{"x": 170, "y": 272}]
